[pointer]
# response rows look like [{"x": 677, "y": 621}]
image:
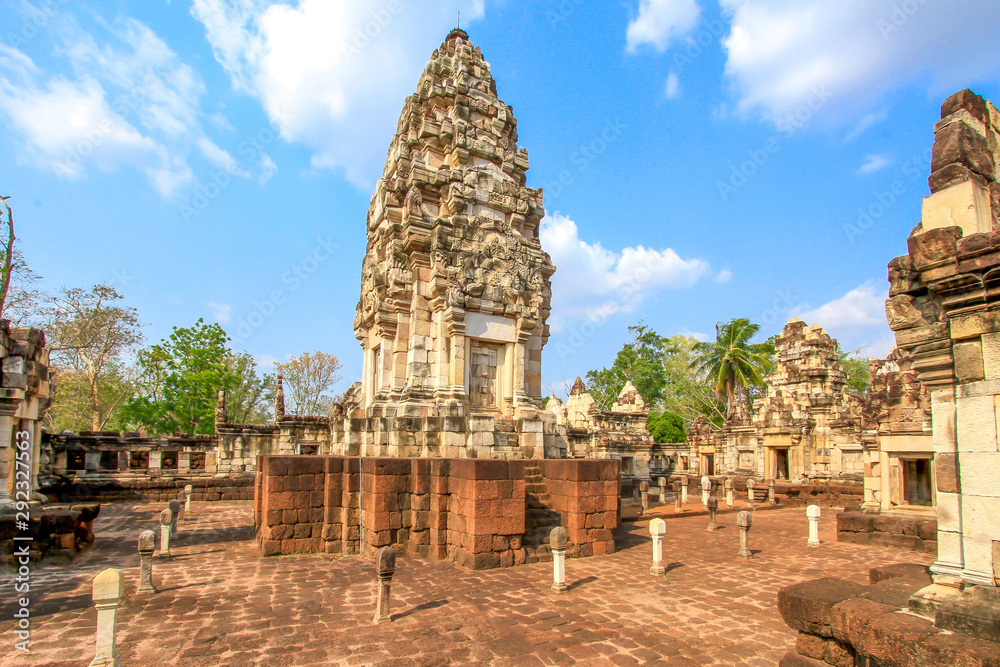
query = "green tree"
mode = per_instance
[
  {"x": 249, "y": 395},
  {"x": 734, "y": 365},
  {"x": 639, "y": 361},
  {"x": 856, "y": 367},
  {"x": 687, "y": 391},
  {"x": 180, "y": 380},
  {"x": 666, "y": 427},
  {"x": 307, "y": 378}
]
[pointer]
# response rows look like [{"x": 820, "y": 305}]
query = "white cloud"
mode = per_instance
[
  {"x": 130, "y": 102},
  {"x": 661, "y": 21},
  {"x": 723, "y": 276},
  {"x": 592, "y": 282},
  {"x": 697, "y": 335},
  {"x": 266, "y": 361},
  {"x": 673, "y": 87},
  {"x": 874, "y": 163},
  {"x": 780, "y": 51},
  {"x": 222, "y": 312},
  {"x": 856, "y": 319},
  {"x": 866, "y": 122},
  {"x": 331, "y": 76}
]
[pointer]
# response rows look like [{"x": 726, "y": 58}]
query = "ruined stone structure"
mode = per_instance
[
  {"x": 455, "y": 286},
  {"x": 24, "y": 398},
  {"x": 806, "y": 427},
  {"x": 945, "y": 310}
]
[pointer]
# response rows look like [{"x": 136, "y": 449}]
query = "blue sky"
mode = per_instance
[{"x": 701, "y": 159}]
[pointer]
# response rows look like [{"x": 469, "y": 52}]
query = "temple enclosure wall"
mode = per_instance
[{"x": 478, "y": 513}]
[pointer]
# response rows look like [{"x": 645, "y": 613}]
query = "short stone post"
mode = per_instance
[
  {"x": 188, "y": 492},
  {"x": 175, "y": 509},
  {"x": 166, "y": 518},
  {"x": 663, "y": 490},
  {"x": 644, "y": 497},
  {"x": 108, "y": 591},
  {"x": 713, "y": 506},
  {"x": 772, "y": 499},
  {"x": 706, "y": 490},
  {"x": 181, "y": 503},
  {"x": 558, "y": 541},
  {"x": 635, "y": 492},
  {"x": 743, "y": 521},
  {"x": 812, "y": 513},
  {"x": 677, "y": 496},
  {"x": 657, "y": 528},
  {"x": 750, "y": 498},
  {"x": 729, "y": 492},
  {"x": 684, "y": 490},
  {"x": 385, "y": 567},
  {"x": 147, "y": 543}
]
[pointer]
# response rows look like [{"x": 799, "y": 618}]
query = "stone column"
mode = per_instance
[
  {"x": 181, "y": 503},
  {"x": 772, "y": 499},
  {"x": 684, "y": 489},
  {"x": 743, "y": 521},
  {"x": 147, "y": 543},
  {"x": 188, "y": 492},
  {"x": 750, "y": 497},
  {"x": 729, "y": 493},
  {"x": 657, "y": 528},
  {"x": 812, "y": 513},
  {"x": 706, "y": 490},
  {"x": 663, "y": 490},
  {"x": 677, "y": 496},
  {"x": 108, "y": 590},
  {"x": 175, "y": 511},
  {"x": 713, "y": 505},
  {"x": 166, "y": 518},
  {"x": 385, "y": 567},
  {"x": 7, "y": 450},
  {"x": 558, "y": 541},
  {"x": 644, "y": 496}
]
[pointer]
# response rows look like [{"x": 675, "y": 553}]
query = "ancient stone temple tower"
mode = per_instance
[{"x": 455, "y": 286}]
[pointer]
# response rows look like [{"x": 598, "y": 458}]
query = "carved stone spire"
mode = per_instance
[
  {"x": 221, "y": 415},
  {"x": 279, "y": 400}
]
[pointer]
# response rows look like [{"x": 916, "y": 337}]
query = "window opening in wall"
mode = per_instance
[
  {"x": 169, "y": 461},
  {"x": 917, "y": 482}
]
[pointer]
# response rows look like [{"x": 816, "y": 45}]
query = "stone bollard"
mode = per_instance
[
  {"x": 181, "y": 502},
  {"x": 188, "y": 492},
  {"x": 677, "y": 496},
  {"x": 713, "y": 506},
  {"x": 812, "y": 513},
  {"x": 175, "y": 508},
  {"x": 663, "y": 490},
  {"x": 644, "y": 497},
  {"x": 729, "y": 492},
  {"x": 147, "y": 543},
  {"x": 108, "y": 590},
  {"x": 635, "y": 492},
  {"x": 772, "y": 499},
  {"x": 657, "y": 528},
  {"x": 706, "y": 490},
  {"x": 385, "y": 567},
  {"x": 684, "y": 490},
  {"x": 166, "y": 518},
  {"x": 750, "y": 498},
  {"x": 558, "y": 541},
  {"x": 743, "y": 521}
]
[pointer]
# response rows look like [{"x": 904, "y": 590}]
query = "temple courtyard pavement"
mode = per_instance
[{"x": 220, "y": 604}]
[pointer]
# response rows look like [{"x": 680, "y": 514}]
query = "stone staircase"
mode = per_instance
[{"x": 539, "y": 520}]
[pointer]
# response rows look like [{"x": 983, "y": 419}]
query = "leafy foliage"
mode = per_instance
[
  {"x": 666, "y": 427},
  {"x": 735, "y": 366},
  {"x": 639, "y": 361},
  {"x": 307, "y": 378},
  {"x": 856, "y": 367}
]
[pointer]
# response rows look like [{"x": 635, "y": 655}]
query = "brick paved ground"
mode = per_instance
[{"x": 220, "y": 604}]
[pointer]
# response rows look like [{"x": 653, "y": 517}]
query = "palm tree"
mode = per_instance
[{"x": 731, "y": 362}]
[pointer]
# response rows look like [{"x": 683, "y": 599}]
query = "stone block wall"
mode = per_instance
[
  {"x": 152, "y": 490},
  {"x": 58, "y": 534},
  {"x": 842, "y": 624},
  {"x": 474, "y": 512},
  {"x": 903, "y": 532}
]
